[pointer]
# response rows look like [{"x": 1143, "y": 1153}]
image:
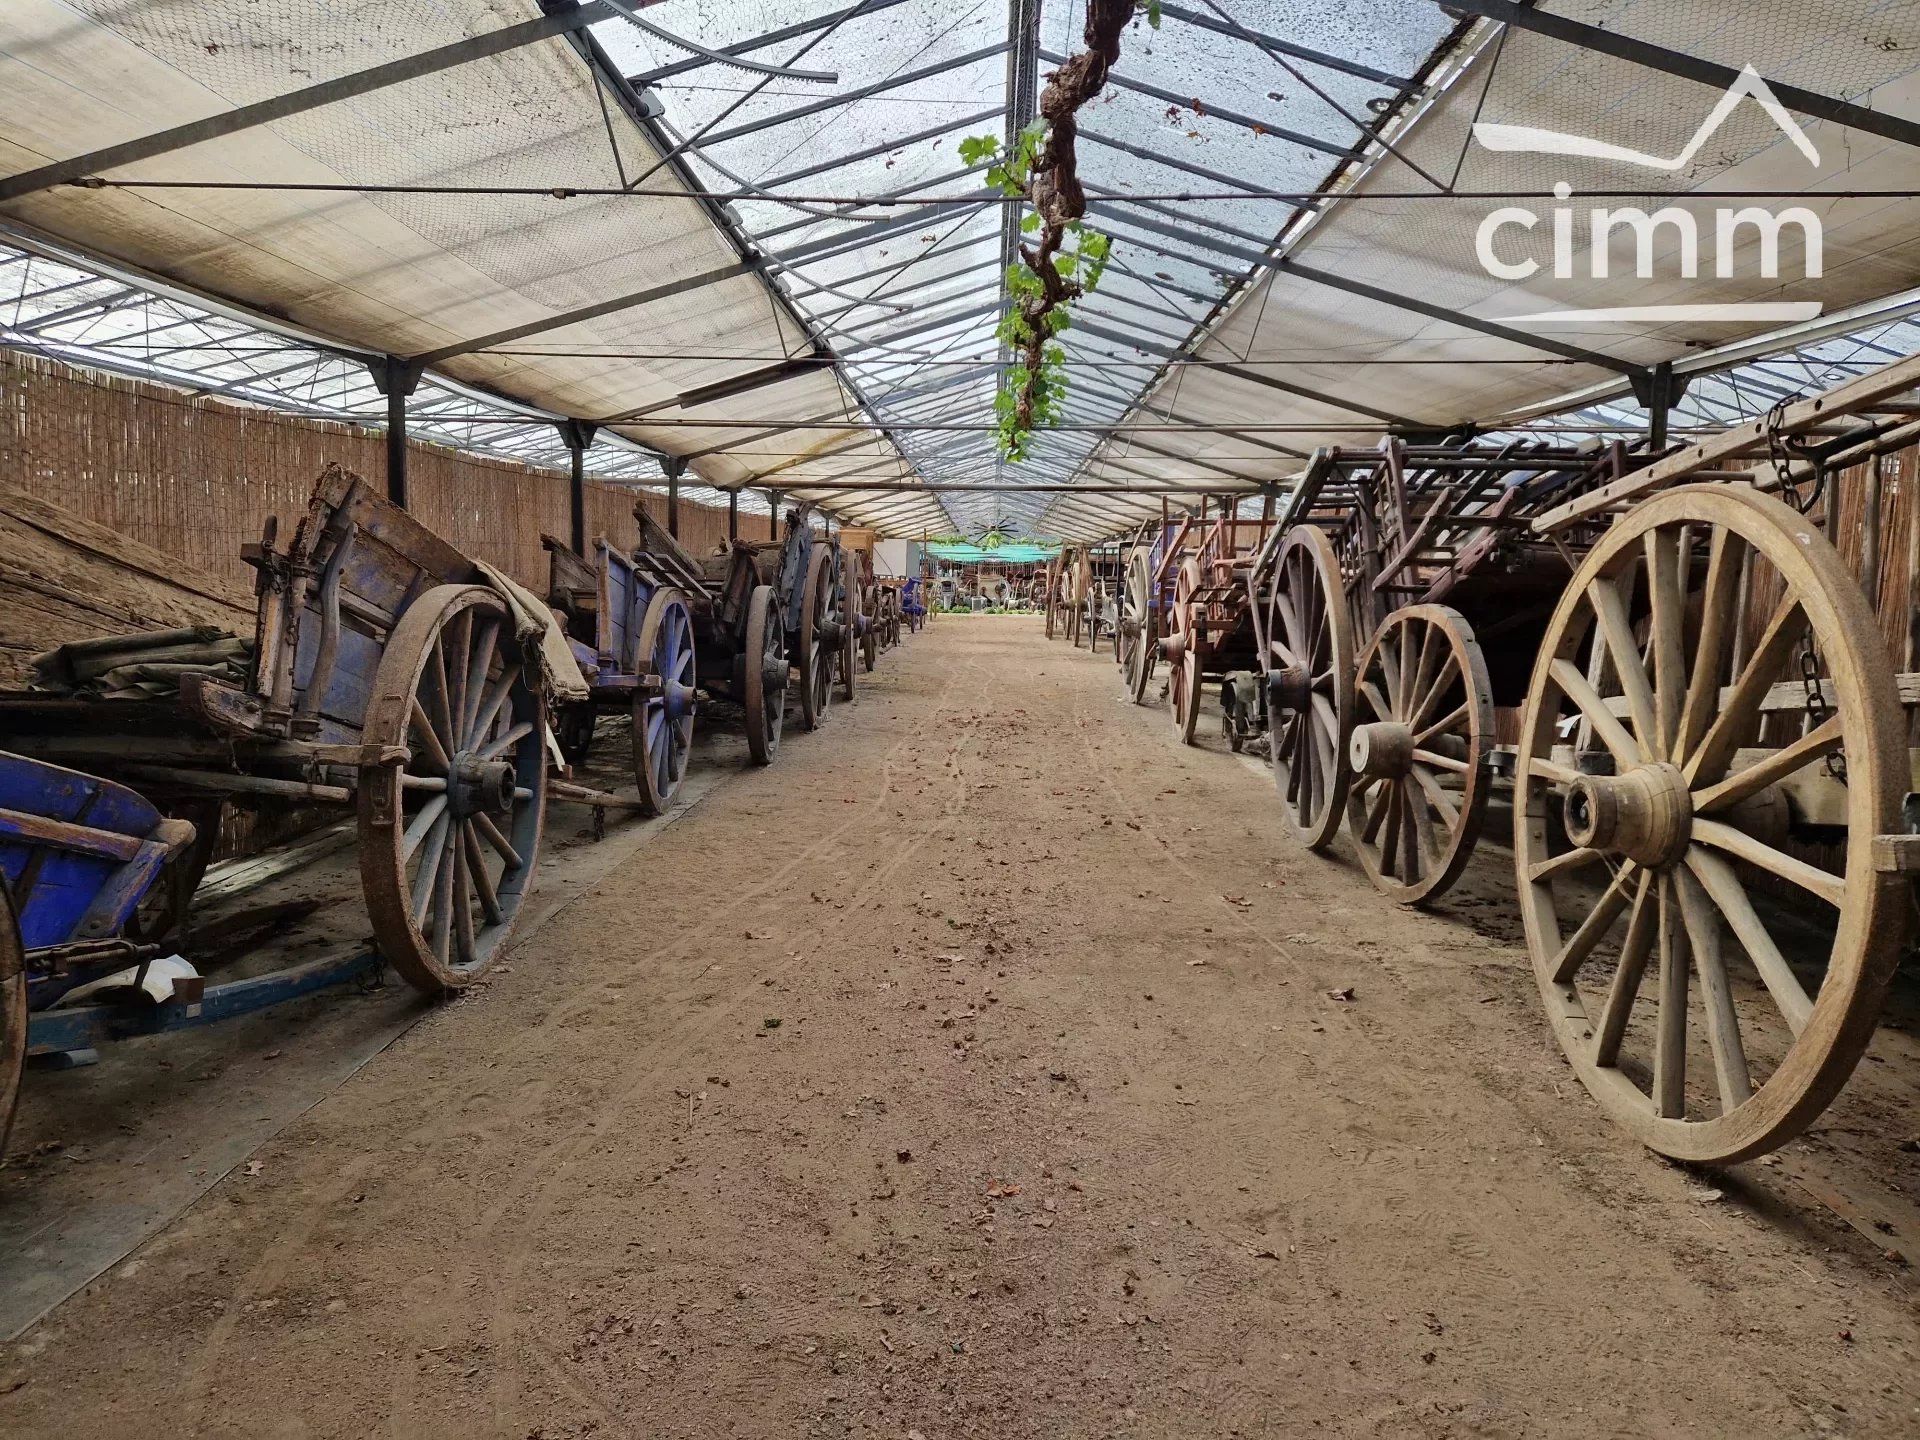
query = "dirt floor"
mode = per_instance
[{"x": 981, "y": 1070}]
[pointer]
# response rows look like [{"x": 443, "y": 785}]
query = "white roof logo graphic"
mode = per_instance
[{"x": 1532, "y": 139}]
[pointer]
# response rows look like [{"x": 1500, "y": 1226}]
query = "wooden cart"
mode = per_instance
[
  {"x": 862, "y": 592},
  {"x": 1714, "y": 776},
  {"x": 382, "y": 675},
  {"x": 803, "y": 571},
  {"x": 737, "y": 605},
  {"x": 1102, "y": 576},
  {"x": 82, "y": 860},
  {"x": 1401, "y": 599},
  {"x": 1713, "y": 772},
  {"x": 632, "y": 623},
  {"x": 1210, "y": 630},
  {"x": 1152, "y": 570},
  {"x": 1063, "y": 594}
]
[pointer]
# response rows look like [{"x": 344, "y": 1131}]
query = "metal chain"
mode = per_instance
[
  {"x": 1817, "y": 708},
  {"x": 1783, "y": 450}
]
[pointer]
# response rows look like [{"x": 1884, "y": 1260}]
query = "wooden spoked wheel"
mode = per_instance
[
  {"x": 1677, "y": 940},
  {"x": 870, "y": 641},
  {"x": 1183, "y": 645},
  {"x": 849, "y": 597},
  {"x": 1138, "y": 644},
  {"x": 1309, "y": 679},
  {"x": 1422, "y": 735},
  {"x": 13, "y": 1012},
  {"x": 764, "y": 672},
  {"x": 663, "y": 716},
  {"x": 1095, "y": 608},
  {"x": 819, "y": 640},
  {"x": 849, "y": 660},
  {"x": 448, "y": 840}
]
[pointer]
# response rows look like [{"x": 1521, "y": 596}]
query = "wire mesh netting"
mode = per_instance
[{"x": 1249, "y": 313}]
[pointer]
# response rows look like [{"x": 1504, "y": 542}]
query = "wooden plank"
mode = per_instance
[{"x": 1851, "y": 398}]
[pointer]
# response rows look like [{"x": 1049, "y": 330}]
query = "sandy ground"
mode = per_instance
[{"x": 978, "y": 1071}]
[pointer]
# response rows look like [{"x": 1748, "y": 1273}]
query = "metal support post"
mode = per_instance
[
  {"x": 577, "y": 435},
  {"x": 674, "y": 466},
  {"x": 395, "y": 379}
]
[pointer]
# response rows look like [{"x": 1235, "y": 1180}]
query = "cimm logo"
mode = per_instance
[{"x": 1680, "y": 228}]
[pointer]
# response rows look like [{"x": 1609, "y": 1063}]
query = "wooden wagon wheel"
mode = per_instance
[
  {"x": 849, "y": 659},
  {"x": 13, "y": 1012},
  {"x": 1309, "y": 678},
  {"x": 663, "y": 717},
  {"x": 1675, "y": 829},
  {"x": 764, "y": 673},
  {"x": 1138, "y": 642},
  {"x": 819, "y": 642},
  {"x": 1182, "y": 646},
  {"x": 1422, "y": 735},
  {"x": 448, "y": 841},
  {"x": 870, "y": 642}
]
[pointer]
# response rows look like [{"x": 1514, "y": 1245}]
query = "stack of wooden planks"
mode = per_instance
[{"x": 63, "y": 578}]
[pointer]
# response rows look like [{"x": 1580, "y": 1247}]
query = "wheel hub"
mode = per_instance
[
  {"x": 1645, "y": 814},
  {"x": 1289, "y": 688},
  {"x": 480, "y": 787},
  {"x": 1383, "y": 749},
  {"x": 679, "y": 699}
]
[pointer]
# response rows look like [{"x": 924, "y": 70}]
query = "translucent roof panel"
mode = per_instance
[
  {"x": 907, "y": 288},
  {"x": 453, "y": 216},
  {"x": 649, "y": 221},
  {"x": 1382, "y": 301}
]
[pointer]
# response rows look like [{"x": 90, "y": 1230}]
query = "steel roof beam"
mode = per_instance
[
  {"x": 761, "y": 41},
  {"x": 883, "y": 298},
  {"x": 1232, "y": 117},
  {"x": 1391, "y": 298},
  {"x": 835, "y": 102},
  {"x": 1186, "y": 167},
  {"x": 589, "y": 312},
  {"x": 887, "y": 269},
  {"x": 309, "y": 97},
  {"x": 854, "y": 207},
  {"x": 932, "y": 132},
  {"x": 829, "y": 452},
  {"x": 938, "y": 322},
  {"x": 1287, "y": 47},
  {"x": 1687, "y": 67},
  {"x": 863, "y": 235}
]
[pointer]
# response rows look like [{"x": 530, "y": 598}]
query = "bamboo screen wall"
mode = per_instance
[{"x": 196, "y": 478}]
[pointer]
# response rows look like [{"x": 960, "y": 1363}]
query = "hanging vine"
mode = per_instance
[{"x": 1064, "y": 258}]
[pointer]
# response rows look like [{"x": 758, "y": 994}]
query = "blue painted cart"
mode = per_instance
[
  {"x": 386, "y": 673},
  {"x": 632, "y": 630},
  {"x": 78, "y": 856}
]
